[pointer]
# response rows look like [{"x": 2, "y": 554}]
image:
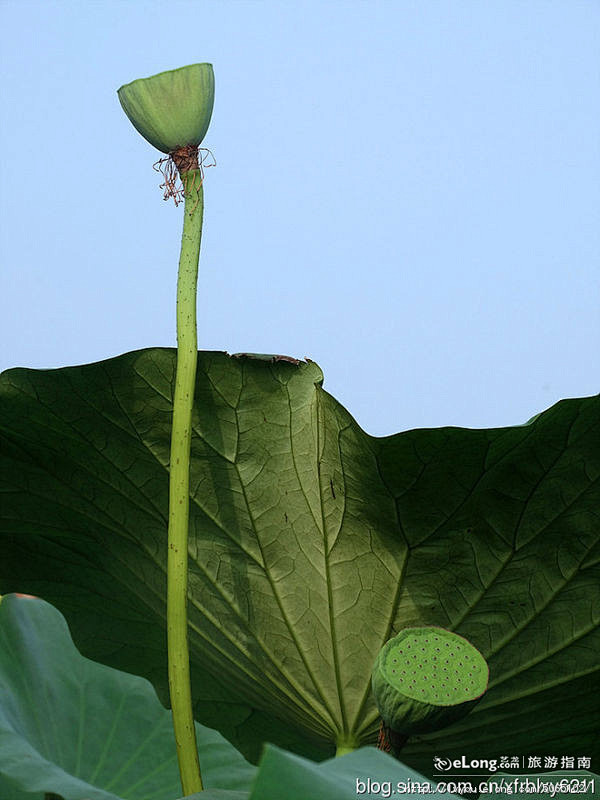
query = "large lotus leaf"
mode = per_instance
[
  {"x": 558, "y": 784},
  {"x": 8, "y": 791},
  {"x": 78, "y": 729},
  {"x": 311, "y": 544},
  {"x": 365, "y": 773}
]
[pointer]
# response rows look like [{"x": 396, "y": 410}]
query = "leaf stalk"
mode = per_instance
[{"x": 346, "y": 743}]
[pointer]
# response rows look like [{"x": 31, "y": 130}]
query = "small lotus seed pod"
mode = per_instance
[
  {"x": 172, "y": 109},
  {"x": 426, "y": 678}
]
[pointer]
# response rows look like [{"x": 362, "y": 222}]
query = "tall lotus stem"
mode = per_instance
[
  {"x": 179, "y": 495},
  {"x": 172, "y": 111}
]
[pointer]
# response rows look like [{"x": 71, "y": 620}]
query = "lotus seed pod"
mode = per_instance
[
  {"x": 426, "y": 678},
  {"x": 171, "y": 109}
]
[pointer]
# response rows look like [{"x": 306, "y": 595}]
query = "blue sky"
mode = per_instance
[{"x": 407, "y": 193}]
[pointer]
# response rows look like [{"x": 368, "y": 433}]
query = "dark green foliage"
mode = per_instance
[{"x": 311, "y": 545}]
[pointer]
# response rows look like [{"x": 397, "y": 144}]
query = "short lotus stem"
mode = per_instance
[
  {"x": 177, "y": 561},
  {"x": 390, "y": 741},
  {"x": 346, "y": 744}
]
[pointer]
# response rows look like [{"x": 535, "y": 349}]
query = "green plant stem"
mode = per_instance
[
  {"x": 179, "y": 500},
  {"x": 346, "y": 744}
]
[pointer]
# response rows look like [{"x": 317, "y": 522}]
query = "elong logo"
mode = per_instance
[{"x": 445, "y": 764}]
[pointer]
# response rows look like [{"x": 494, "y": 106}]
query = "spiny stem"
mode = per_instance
[{"x": 179, "y": 480}]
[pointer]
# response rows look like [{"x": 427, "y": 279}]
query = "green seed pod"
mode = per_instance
[
  {"x": 171, "y": 109},
  {"x": 426, "y": 678}
]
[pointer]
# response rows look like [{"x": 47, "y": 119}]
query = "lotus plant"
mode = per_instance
[{"x": 172, "y": 111}]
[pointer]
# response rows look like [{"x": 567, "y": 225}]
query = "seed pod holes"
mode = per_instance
[{"x": 419, "y": 694}]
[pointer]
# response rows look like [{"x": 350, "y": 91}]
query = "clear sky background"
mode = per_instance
[{"x": 407, "y": 193}]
